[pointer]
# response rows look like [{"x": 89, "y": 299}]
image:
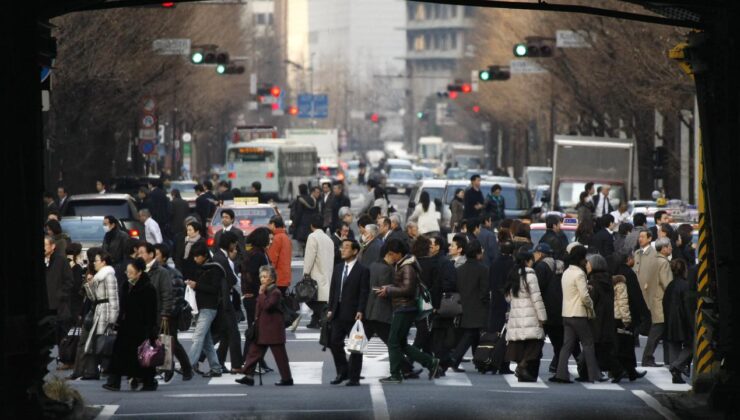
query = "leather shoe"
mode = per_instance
[
  {"x": 637, "y": 375},
  {"x": 186, "y": 376},
  {"x": 557, "y": 380},
  {"x": 352, "y": 383},
  {"x": 457, "y": 369},
  {"x": 412, "y": 375},
  {"x": 245, "y": 380},
  {"x": 619, "y": 377},
  {"x": 288, "y": 382},
  {"x": 212, "y": 374},
  {"x": 339, "y": 379},
  {"x": 111, "y": 387},
  {"x": 651, "y": 364},
  {"x": 90, "y": 378},
  {"x": 168, "y": 375}
]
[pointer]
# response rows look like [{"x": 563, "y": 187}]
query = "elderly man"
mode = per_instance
[
  {"x": 372, "y": 245},
  {"x": 601, "y": 202},
  {"x": 397, "y": 231},
  {"x": 412, "y": 230},
  {"x": 345, "y": 216},
  {"x": 654, "y": 274},
  {"x": 152, "y": 232}
]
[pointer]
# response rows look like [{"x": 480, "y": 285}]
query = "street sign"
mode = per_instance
[
  {"x": 186, "y": 149},
  {"x": 573, "y": 39},
  {"x": 305, "y": 105},
  {"x": 525, "y": 66},
  {"x": 146, "y": 147},
  {"x": 187, "y": 137},
  {"x": 444, "y": 114},
  {"x": 149, "y": 105},
  {"x": 171, "y": 46},
  {"x": 320, "y": 106},
  {"x": 253, "y": 84},
  {"x": 147, "y": 121},
  {"x": 160, "y": 133},
  {"x": 147, "y": 134},
  {"x": 357, "y": 115}
]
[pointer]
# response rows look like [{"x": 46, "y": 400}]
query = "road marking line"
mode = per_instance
[
  {"x": 655, "y": 405},
  {"x": 374, "y": 370},
  {"x": 203, "y": 395},
  {"x": 380, "y": 407},
  {"x": 662, "y": 378},
  {"x": 453, "y": 379},
  {"x": 513, "y": 382},
  {"x": 107, "y": 412},
  {"x": 598, "y": 386},
  {"x": 307, "y": 336},
  {"x": 307, "y": 373}
]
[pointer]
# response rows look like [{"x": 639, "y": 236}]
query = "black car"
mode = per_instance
[{"x": 120, "y": 206}]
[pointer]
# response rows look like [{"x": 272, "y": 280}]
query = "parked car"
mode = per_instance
[
  {"x": 400, "y": 181},
  {"x": 187, "y": 190},
  {"x": 331, "y": 171},
  {"x": 248, "y": 218},
  {"x": 422, "y": 172},
  {"x": 353, "y": 171},
  {"x": 120, "y": 206}
]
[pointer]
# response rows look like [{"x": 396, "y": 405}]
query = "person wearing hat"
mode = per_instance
[{"x": 549, "y": 273}]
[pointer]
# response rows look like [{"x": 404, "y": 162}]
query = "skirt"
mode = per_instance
[{"x": 525, "y": 350}]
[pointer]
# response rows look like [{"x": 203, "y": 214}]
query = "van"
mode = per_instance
[{"x": 516, "y": 197}]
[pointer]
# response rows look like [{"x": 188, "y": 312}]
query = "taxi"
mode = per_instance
[
  {"x": 249, "y": 215},
  {"x": 568, "y": 227}
]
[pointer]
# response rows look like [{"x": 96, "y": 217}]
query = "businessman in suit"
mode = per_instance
[{"x": 350, "y": 286}]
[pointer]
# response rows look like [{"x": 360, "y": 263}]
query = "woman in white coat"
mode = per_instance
[
  {"x": 426, "y": 215},
  {"x": 102, "y": 290},
  {"x": 525, "y": 335}
]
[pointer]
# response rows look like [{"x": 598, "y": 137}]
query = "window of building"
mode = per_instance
[
  {"x": 453, "y": 40},
  {"x": 421, "y": 10},
  {"x": 453, "y": 11},
  {"x": 445, "y": 11},
  {"x": 270, "y": 19},
  {"x": 411, "y": 11},
  {"x": 419, "y": 44},
  {"x": 428, "y": 13},
  {"x": 260, "y": 19},
  {"x": 469, "y": 11}
]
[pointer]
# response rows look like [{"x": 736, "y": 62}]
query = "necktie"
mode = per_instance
[{"x": 344, "y": 278}]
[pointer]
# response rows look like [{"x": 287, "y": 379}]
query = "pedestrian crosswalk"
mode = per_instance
[{"x": 321, "y": 372}]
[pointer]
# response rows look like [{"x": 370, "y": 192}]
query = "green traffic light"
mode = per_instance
[
  {"x": 484, "y": 75},
  {"x": 419, "y": 115},
  {"x": 197, "y": 57},
  {"x": 220, "y": 69},
  {"x": 520, "y": 50}
]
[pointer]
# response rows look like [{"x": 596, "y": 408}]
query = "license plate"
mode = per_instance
[{"x": 402, "y": 190}]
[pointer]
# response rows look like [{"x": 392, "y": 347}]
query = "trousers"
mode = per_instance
[
  {"x": 556, "y": 334},
  {"x": 398, "y": 345},
  {"x": 339, "y": 331},
  {"x": 229, "y": 338},
  {"x": 654, "y": 336},
  {"x": 257, "y": 354},
  {"x": 578, "y": 329}
]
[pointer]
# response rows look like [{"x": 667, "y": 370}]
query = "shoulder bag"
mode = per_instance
[
  {"x": 151, "y": 354},
  {"x": 450, "y": 306},
  {"x": 306, "y": 290}
]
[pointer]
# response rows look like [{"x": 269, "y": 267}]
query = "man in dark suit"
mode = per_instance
[
  {"x": 350, "y": 285},
  {"x": 227, "y": 221},
  {"x": 62, "y": 199},
  {"x": 603, "y": 240},
  {"x": 224, "y": 191},
  {"x": 227, "y": 325},
  {"x": 180, "y": 210},
  {"x": 205, "y": 204},
  {"x": 159, "y": 205}
]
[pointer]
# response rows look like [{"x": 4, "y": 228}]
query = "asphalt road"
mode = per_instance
[{"x": 467, "y": 395}]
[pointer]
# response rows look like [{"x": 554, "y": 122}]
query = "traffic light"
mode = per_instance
[
  {"x": 422, "y": 116},
  {"x": 534, "y": 47},
  {"x": 476, "y": 109},
  {"x": 374, "y": 117},
  {"x": 494, "y": 73},
  {"x": 168, "y": 4},
  {"x": 229, "y": 69},
  {"x": 275, "y": 91},
  {"x": 466, "y": 88},
  {"x": 293, "y": 110},
  {"x": 208, "y": 54}
]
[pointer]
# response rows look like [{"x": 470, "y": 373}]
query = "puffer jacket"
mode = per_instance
[
  {"x": 527, "y": 313},
  {"x": 621, "y": 300},
  {"x": 403, "y": 292}
]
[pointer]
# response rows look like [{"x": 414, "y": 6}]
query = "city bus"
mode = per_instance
[{"x": 279, "y": 166}]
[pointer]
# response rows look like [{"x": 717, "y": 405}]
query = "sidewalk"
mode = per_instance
[{"x": 688, "y": 405}]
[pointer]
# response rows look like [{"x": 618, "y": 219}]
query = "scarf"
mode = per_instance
[{"x": 189, "y": 243}]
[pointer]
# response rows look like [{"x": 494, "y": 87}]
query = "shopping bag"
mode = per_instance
[
  {"x": 150, "y": 354},
  {"x": 190, "y": 298},
  {"x": 357, "y": 342},
  {"x": 167, "y": 342}
]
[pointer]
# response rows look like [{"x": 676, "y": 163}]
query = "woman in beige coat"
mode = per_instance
[
  {"x": 577, "y": 310},
  {"x": 524, "y": 332}
]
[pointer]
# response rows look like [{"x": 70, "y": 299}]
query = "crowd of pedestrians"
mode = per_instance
[{"x": 592, "y": 298}]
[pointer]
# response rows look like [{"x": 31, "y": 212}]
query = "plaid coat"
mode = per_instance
[{"x": 103, "y": 286}]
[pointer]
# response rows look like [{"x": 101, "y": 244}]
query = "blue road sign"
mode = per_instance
[
  {"x": 305, "y": 105},
  {"x": 320, "y": 106}
]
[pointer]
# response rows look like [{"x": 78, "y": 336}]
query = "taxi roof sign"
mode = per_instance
[
  {"x": 570, "y": 221},
  {"x": 246, "y": 200}
]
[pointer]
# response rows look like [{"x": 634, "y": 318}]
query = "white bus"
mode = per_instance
[{"x": 279, "y": 166}]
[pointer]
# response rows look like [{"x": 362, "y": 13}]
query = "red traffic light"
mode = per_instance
[
  {"x": 168, "y": 4},
  {"x": 275, "y": 91},
  {"x": 275, "y": 106},
  {"x": 476, "y": 109},
  {"x": 293, "y": 110},
  {"x": 466, "y": 88},
  {"x": 453, "y": 95},
  {"x": 374, "y": 117}
]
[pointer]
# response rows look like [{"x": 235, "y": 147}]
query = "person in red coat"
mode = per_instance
[
  {"x": 270, "y": 331},
  {"x": 280, "y": 253}
]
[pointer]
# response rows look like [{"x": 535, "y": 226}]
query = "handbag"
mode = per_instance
[
  {"x": 104, "y": 342},
  {"x": 151, "y": 354},
  {"x": 450, "y": 306},
  {"x": 289, "y": 308},
  {"x": 184, "y": 315},
  {"x": 251, "y": 334},
  {"x": 68, "y": 347},
  {"x": 166, "y": 339},
  {"x": 306, "y": 290}
]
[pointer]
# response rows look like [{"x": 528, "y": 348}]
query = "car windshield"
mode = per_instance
[
  {"x": 535, "y": 178},
  {"x": 83, "y": 230},
  {"x": 455, "y": 173},
  {"x": 402, "y": 174},
  {"x": 182, "y": 186},
  {"x": 434, "y": 193},
  {"x": 118, "y": 208},
  {"x": 248, "y": 218},
  {"x": 537, "y": 234}
]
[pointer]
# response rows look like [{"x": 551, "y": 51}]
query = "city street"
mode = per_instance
[{"x": 465, "y": 395}]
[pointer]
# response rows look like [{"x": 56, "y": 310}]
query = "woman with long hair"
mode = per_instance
[
  {"x": 679, "y": 326},
  {"x": 601, "y": 290},
  {"x": 584, "y": 234},
  {"x": 86, "y": 365},
  {"x": 305, "y": 207},
  {"x": 380, "y": 200},
  {"x": 426, "y": 215},
  {"x": 525, "y": 334},
  {"x": 504, "y": 231},
  {"x": 585, "y": 207}
]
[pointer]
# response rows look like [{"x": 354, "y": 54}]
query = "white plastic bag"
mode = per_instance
[
  {"x": 357, "y": 342},
  {"x": 190, "y": 299}
]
